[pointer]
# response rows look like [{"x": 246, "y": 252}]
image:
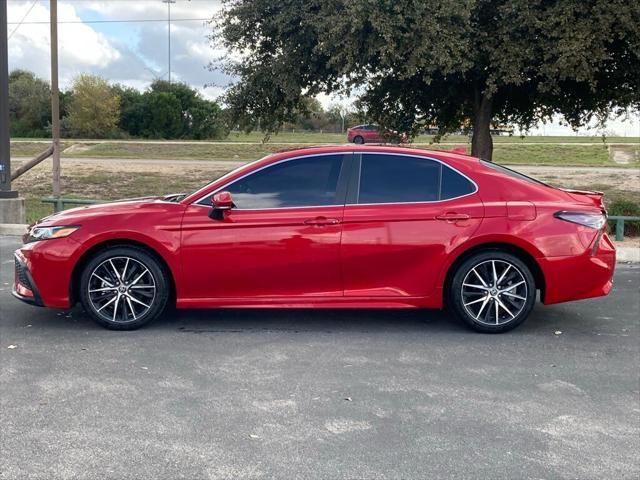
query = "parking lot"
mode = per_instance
[{"x": 321, "y": 394}]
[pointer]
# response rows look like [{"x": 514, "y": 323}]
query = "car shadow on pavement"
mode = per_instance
[
  {"x": 292, "y": 320},
  {"x": 307, "y": 320}
]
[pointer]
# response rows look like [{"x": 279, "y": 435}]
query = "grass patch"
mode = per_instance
[
  {"x": 510, "y": 154},
  {"x": 583, "y": 155},
  {"x": 174, "y": 151},
  {"x": 316, "y": 137},
  {"x": 31, "y": 149}
]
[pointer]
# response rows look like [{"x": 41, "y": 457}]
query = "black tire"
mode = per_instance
[
  {"x": 491, "y": 309},
  {"x": 135, "y": 300},
  {"x": 358, "y": 140}
]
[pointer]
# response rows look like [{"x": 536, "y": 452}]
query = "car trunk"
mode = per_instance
[{"x": 587, "y": 197}]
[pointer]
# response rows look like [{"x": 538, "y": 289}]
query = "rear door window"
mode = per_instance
[{"x": 408, "y": 179}]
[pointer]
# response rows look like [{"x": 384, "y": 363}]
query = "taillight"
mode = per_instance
[{"x": 588, "y": 219}]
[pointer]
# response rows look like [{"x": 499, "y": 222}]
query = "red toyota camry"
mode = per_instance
[{"x": 329, "y": 227}]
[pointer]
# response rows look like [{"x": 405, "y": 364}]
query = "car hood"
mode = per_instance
[{"x": 120, "y": 207}]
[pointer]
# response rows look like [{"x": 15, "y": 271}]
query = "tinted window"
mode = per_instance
[
  {"x": 454, "y": 185},
  {"x": 397, "y": 178},
  {"x": 305, "y": 182},
  {"x": 512, "y": 173}
]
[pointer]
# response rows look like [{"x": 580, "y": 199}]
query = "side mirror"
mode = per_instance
[{"x": 221, "y": 202}]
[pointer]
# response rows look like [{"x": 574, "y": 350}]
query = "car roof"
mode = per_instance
[{"x": 349, "y": 147}]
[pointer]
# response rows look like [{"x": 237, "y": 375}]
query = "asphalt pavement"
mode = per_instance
[{"x": 321, "y": 394}]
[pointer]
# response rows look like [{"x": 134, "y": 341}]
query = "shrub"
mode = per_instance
[{"x": 625, "y": 208}]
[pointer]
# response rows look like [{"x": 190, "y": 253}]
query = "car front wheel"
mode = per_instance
[
  {"x": 123, "y": 288},
  {"x": 358, "y": 140},
  {"x": 492, "y": 292}
]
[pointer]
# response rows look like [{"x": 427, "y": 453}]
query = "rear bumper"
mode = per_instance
[{"x": 578, "y": 277}]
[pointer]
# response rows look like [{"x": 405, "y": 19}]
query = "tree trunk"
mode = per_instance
[{"x": 481, "y": 142}]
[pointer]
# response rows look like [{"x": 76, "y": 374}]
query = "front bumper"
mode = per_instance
[
  {"x": 44, "y": 271},
  {"x": 578, "y": 277},
  {"x": 24, "y": 288}
]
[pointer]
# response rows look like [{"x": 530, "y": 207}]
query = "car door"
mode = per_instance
[
  {"x": 282, "y": 239},
  {"x": 404, "y": 213},
  {"x": 372, "y": 134}
]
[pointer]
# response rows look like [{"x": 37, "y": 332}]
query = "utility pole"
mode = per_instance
[
  {"x": 55, "y": 99},
  {"x": 169, "y": 2},
  {"x": 11, "y": 206},
  {"x": 5, "y": 155}
]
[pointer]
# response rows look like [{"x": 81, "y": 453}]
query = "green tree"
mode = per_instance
[
  {"x": 94, "y": 109},
  {"x": 180, "y": 112},
  {"x": 442, "y": 62},
  {"x": 206, "y": 120},
  {"x": 132, "y": 110},
  {"x": 162, "y": 116},
  {"x": 29, "y": 104}
]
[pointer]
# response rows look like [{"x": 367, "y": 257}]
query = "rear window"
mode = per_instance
[{"x": 513, "y": 173}]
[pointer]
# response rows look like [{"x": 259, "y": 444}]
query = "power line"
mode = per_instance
[
  {"x": 115, "y": 21},
  {"x": 21, "y": 21}
]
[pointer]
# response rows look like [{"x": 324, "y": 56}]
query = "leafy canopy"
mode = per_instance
[
  {"x": 93, "y": 108},
  {"x": 443, "y": 62},
  {"x": 29, "y": 104}
]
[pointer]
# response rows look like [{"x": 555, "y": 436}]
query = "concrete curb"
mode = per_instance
[
  {"x": 624, "y": 254},
  {"x": 627, "y": 254},
  {"x": 14, "y": 229}
]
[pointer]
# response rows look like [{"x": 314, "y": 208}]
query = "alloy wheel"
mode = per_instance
[
  {"x": 494, "y": 292},
  {"x": 121, "y": 289}
]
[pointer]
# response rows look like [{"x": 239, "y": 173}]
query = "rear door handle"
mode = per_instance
[
  {"x": 322, "y": 221},
  {"x": 453, "y": 217}
]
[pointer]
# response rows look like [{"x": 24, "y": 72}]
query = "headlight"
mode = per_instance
[
  {"x": 49, "y": 233},
  {"x": 593, "y": 220}
]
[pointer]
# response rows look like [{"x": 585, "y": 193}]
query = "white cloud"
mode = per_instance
[
  {"x": 80, "y": 47},
  {"x": 130, "y": 53}
]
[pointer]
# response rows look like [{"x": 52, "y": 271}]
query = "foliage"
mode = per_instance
[
  {"x": 163, "y": 116},
  {"x": 198, "y": 118},
  {"x": 444, "y": 62},
  {"x": 94, "y": 108},
  {"x": 132, "y": 107},
  {"x": 29, "y": 104},
  {"x": 626, "y": 208}
]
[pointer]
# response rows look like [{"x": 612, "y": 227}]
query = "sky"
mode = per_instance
[{"x": 135, "y": 53}]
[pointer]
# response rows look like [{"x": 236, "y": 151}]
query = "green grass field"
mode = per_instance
[
  {"x": 512, "y": 152},
  {"x": 320, "y": 138},
  {"x": 107, "y": 181}
]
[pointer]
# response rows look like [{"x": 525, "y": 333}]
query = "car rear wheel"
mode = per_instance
[
  {"x": 123, "y": 288},
  {"x": 492, "y": 292},
  {"x": 358, "y": 140}
]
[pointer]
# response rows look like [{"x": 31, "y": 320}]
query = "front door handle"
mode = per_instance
[
  {"x": 322, "y": 221},
  {"x": 453, "y": 217}
]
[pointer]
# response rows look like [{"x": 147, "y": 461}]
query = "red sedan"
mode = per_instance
[
  {"x": 362, "y": 134},
  {"x": 329, "y": 227}
]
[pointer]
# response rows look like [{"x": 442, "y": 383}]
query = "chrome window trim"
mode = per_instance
[{"x": 361, "y": 153}]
